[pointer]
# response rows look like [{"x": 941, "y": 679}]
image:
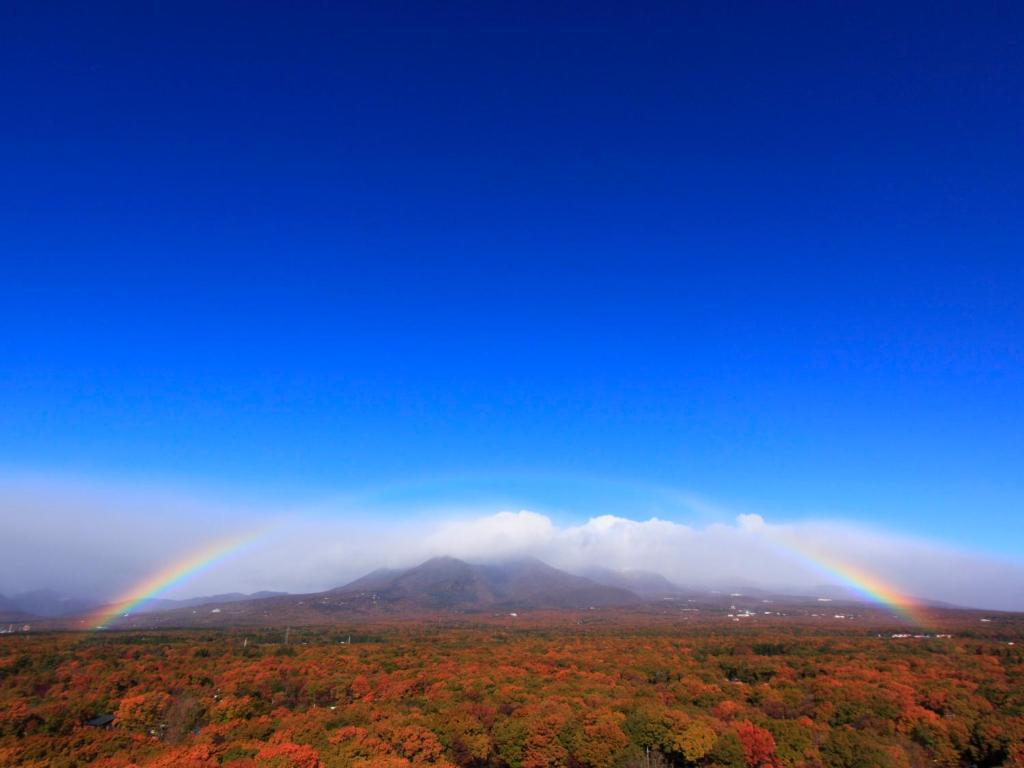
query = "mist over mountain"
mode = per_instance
[
  {"x": 446, "y": 584},
  {"x": 316, "y": 549},
  {"x": 449, "y": 586},
  {"x": 166, "y": 604}
]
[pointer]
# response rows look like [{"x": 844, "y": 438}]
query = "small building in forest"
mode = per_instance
[{"x": 101, "y": 721}]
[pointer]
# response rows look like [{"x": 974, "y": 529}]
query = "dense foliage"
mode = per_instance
[{"x": 497, "y": 696}]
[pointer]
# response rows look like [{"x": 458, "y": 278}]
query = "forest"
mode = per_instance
[{"x": 515, "y": 696}]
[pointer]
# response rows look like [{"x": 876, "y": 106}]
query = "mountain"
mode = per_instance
[
  {"x": 44, "y": 603},
  {"x": 452, "y": 587},
  {"x": 446, "y": 585},
  {"x": 646, "y": 584},
  {"x": 445, "y": 582}
]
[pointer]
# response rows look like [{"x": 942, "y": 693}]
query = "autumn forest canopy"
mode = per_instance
[{"x": 614, "y": 693}]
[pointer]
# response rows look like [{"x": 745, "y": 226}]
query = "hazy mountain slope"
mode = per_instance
[
  {"x": 377, "y": 579},
  {"x": 10, "y": 612},
  {"x": 166, "y": 604},
  {"x": 647, "y": 584}
]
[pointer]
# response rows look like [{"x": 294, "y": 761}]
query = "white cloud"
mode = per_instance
[
  {"x": 492, "y": 536},
  {"x": 750, "y": 522}
]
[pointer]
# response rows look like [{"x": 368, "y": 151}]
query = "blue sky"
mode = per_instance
[{"x": 587, "y": 259}]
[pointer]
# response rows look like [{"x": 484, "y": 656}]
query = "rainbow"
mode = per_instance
[
  {"x": 864, "y": 584},
  {"x": 171, "y": 576}
]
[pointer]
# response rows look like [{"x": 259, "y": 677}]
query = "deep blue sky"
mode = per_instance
[{"x": 768, "y": 253}]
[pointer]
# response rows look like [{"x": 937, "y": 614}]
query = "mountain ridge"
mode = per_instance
[{"x": 448, "y": 582}]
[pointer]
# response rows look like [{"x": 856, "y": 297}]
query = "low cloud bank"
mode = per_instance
[
  {"x": 99, "y": 544},
  {"x": 748, "y": 553}
]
